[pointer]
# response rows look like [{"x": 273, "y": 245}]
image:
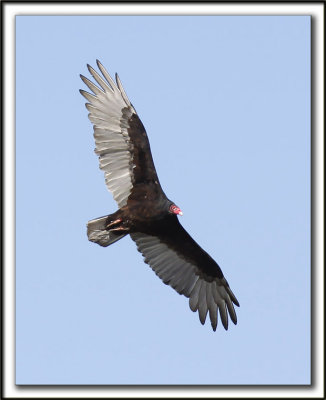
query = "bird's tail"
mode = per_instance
[{"x": 98, "y": 231}]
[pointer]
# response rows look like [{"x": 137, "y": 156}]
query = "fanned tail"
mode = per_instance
[{"x": 98, "y": 232}]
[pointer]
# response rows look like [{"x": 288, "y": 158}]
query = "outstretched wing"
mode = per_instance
[
  {"x": 120, "y": 137},
  {"x": 181, "y": 263}
]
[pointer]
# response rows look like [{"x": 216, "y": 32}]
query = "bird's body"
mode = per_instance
[{"x": 145, "y": 212}]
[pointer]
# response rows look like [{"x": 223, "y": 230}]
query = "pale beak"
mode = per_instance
[{"x": 180, "y": 213}]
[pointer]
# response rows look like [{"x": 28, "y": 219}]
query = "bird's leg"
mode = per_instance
[
  {"x": 119, "y": 229},
  {"x": 112, "y": 223},
  {"x": 117, "y": 226}
]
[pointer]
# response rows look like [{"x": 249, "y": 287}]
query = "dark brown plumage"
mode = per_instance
[{"x": 145, "y": 213}]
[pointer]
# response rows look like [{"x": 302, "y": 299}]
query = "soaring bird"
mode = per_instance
[{"x": 145, "y": 212}]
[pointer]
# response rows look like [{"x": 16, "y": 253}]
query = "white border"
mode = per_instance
[{"x": 9, "y": 12}]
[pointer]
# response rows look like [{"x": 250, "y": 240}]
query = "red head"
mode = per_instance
[{"x": 175, "y": 210}]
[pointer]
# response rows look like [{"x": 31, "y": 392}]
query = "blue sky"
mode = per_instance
[{"x": 226, "y": 105}]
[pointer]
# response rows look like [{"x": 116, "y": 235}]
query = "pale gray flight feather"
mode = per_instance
[
  {"x": 111, "y": 131},
  {"x": 205, "y": 296}
]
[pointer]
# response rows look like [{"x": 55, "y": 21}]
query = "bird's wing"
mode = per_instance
[
  {"x": 120, "y": 137},
  {"x": 181, "y": 263}
]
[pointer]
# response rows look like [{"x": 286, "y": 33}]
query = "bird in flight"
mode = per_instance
[{"x": 145, "y": 212}]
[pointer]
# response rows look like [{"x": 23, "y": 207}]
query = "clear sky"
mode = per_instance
[{"x": 226, "y": 105}]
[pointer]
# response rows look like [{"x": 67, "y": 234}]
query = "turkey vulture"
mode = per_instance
[{"x": 145, "y": 213}]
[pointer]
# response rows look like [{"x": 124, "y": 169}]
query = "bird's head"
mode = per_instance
[{"x": 173, "y": 209}]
